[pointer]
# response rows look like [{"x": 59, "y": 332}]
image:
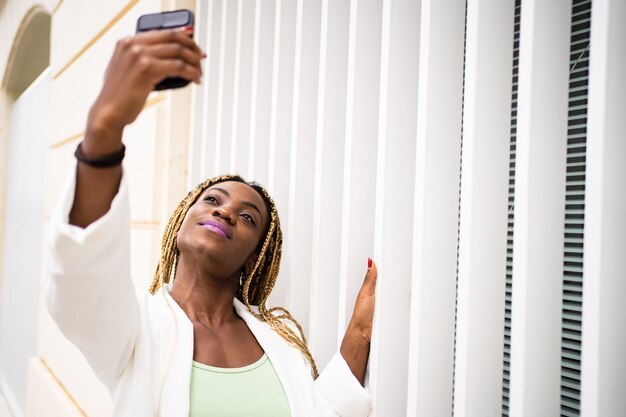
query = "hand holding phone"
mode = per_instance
[
  {"x": 167, "y": 20},
  {"x": 139, "y": 65}
]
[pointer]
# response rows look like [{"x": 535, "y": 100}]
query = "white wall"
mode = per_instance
[
  {"x": 23, "y": 239},
  {"x": 368, "y": 121}
]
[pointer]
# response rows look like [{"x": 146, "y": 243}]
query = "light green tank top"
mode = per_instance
[{"x": 252, "y": 390}]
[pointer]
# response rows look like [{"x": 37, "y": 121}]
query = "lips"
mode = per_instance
[{"x": 216, "y": 227}]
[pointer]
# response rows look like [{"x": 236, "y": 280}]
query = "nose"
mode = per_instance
[{"x": 223, "y": 212}]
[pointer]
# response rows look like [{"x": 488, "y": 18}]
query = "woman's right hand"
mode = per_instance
[{"x": 139, "y": 63}]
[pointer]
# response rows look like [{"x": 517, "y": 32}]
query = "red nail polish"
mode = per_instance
[
  {"x": 369, "y": 263},
  {"x": 187, "y": 28}
]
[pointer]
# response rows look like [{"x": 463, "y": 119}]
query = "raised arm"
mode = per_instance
[
  {"x": 89, "y": 292},
  {"x": 137, "y": 65}
]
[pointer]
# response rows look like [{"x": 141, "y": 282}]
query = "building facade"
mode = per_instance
[{"x": 473, "y": 148}]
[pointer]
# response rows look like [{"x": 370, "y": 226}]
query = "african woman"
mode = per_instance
[{"x": 201, "y": 341}]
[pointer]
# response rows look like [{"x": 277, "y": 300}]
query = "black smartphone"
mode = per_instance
[{"x": 166, "y": 20}]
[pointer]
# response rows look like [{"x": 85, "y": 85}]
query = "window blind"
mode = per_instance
[
  {"x": 511, "y": 216},
  {"x": 574, "y": 209}
]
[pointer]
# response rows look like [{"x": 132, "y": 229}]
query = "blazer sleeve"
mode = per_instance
[
  {"x": 89, "y": 292},
  {"x": 342, "y": 390}
]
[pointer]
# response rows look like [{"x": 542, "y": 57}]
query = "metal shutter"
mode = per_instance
[
  {"x": 511, "y": 216},
  {"x": 574, "y": 209}
]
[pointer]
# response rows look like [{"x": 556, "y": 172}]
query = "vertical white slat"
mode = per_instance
[
  {"x": 298, "y": 245},
  {"x": 235, "y": 94},
  {"x": 261, "y": 100},
  {"x": 274, "y": 98},
  {"x": 216, "y": 152},
  {"x": 278, "y": 151},
  {"x": 282, "y": 102},
  {"x": 438, "y": 153},
  {"x": 241, "y": 124},
  {"x": 483, "y": 212},
  {"x": 210, "y": 88},
  {"x": 604, "y": 286},
  {"x": 330, "y": 131},
  {"x": 199, "y": 94},
  {"x": 539, "y": 208},
  {"x": 228, "y": 53},
  {"x": 362, "y": 107},
  {"x": 254, "y": 88},
  {"x": 395, "y": 173}
]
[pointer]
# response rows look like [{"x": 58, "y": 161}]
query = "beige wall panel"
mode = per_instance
[
  {"x": 11, "y": 15},
  {"x": 74, "y": 90},
  {"x": 60, "y": 163},
  {"x": 139, "y": 165},
  {"x": 77, "y": 22},
  {"x": 45, "y": 396}
]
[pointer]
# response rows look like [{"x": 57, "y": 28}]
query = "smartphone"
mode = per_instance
[{"x": 166, "y": 20}]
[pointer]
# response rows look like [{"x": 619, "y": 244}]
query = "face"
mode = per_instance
[{"x": 223, "y": 228}]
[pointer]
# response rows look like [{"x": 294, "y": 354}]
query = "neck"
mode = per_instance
[{"x": 203, "y": 297}]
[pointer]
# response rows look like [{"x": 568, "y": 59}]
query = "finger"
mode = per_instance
[
  {"x": 175, "y": 68},
  {"x": 174, "y": 51},
  {"x": 179, "y": 35},
  {"x": 369, "y": 282}
]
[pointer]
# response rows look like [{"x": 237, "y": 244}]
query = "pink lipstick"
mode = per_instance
[{"x": 217, "y": 227}]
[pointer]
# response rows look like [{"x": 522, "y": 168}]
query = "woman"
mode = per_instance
[{"x": 202, "y": 341}]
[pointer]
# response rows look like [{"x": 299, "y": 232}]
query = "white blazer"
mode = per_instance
[{"x": 141, "y": 345}]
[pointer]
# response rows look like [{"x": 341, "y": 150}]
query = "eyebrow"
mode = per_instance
[{"x": 245, "y": 203}]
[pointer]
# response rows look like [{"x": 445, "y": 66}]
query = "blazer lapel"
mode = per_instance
[
  {"x": 176, "y": 356},
  {"x": 287, "y": 362}
]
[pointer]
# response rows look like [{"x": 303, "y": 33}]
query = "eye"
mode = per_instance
[
  {"x": 247, "y": 217},
  {"x": 211, "y": 199}
]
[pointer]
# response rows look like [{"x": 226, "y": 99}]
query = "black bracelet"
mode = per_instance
[{"x": 106, "y": 161}]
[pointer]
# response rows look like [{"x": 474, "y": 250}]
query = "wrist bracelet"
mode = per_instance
[{"x": 106, "y": 161}]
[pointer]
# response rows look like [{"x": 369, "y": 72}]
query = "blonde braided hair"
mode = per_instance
[{"x": 259, "y": 282}]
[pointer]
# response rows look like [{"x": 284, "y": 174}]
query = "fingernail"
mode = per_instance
[
  {"x": 187, "y": 28},
  {"x": 369, "y": 263}
]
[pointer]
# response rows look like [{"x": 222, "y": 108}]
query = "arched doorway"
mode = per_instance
[{"x": 25, "y": 104}]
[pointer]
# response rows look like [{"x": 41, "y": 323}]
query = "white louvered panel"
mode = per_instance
[
  {"x": 539, "y": 208},
  {"x": 198, "y": 97},
  {"x": 242, "y": 90},
  {"x": 277, "y": 152},
  {"x": 395, "y": 173},
  {"x": 225, "y": 87},
  {"x": 483, "y": 212},
  {"x": 261, "y": 96},
  {"x": 604, "y": 342},
  {"x": 359, "y": 192},
  {"x": 330, "y": 131},
  {"x": 298, "y": 245},
  {"x": 202, "y": 116},
  {"x": 282, "y": 103},
  {"x": 438, "y": 154}
]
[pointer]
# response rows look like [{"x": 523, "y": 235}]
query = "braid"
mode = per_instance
[{"x": 258, "y": 284}]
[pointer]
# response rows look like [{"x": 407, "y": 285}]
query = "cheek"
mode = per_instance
[{"x": 182, "y": 234}]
